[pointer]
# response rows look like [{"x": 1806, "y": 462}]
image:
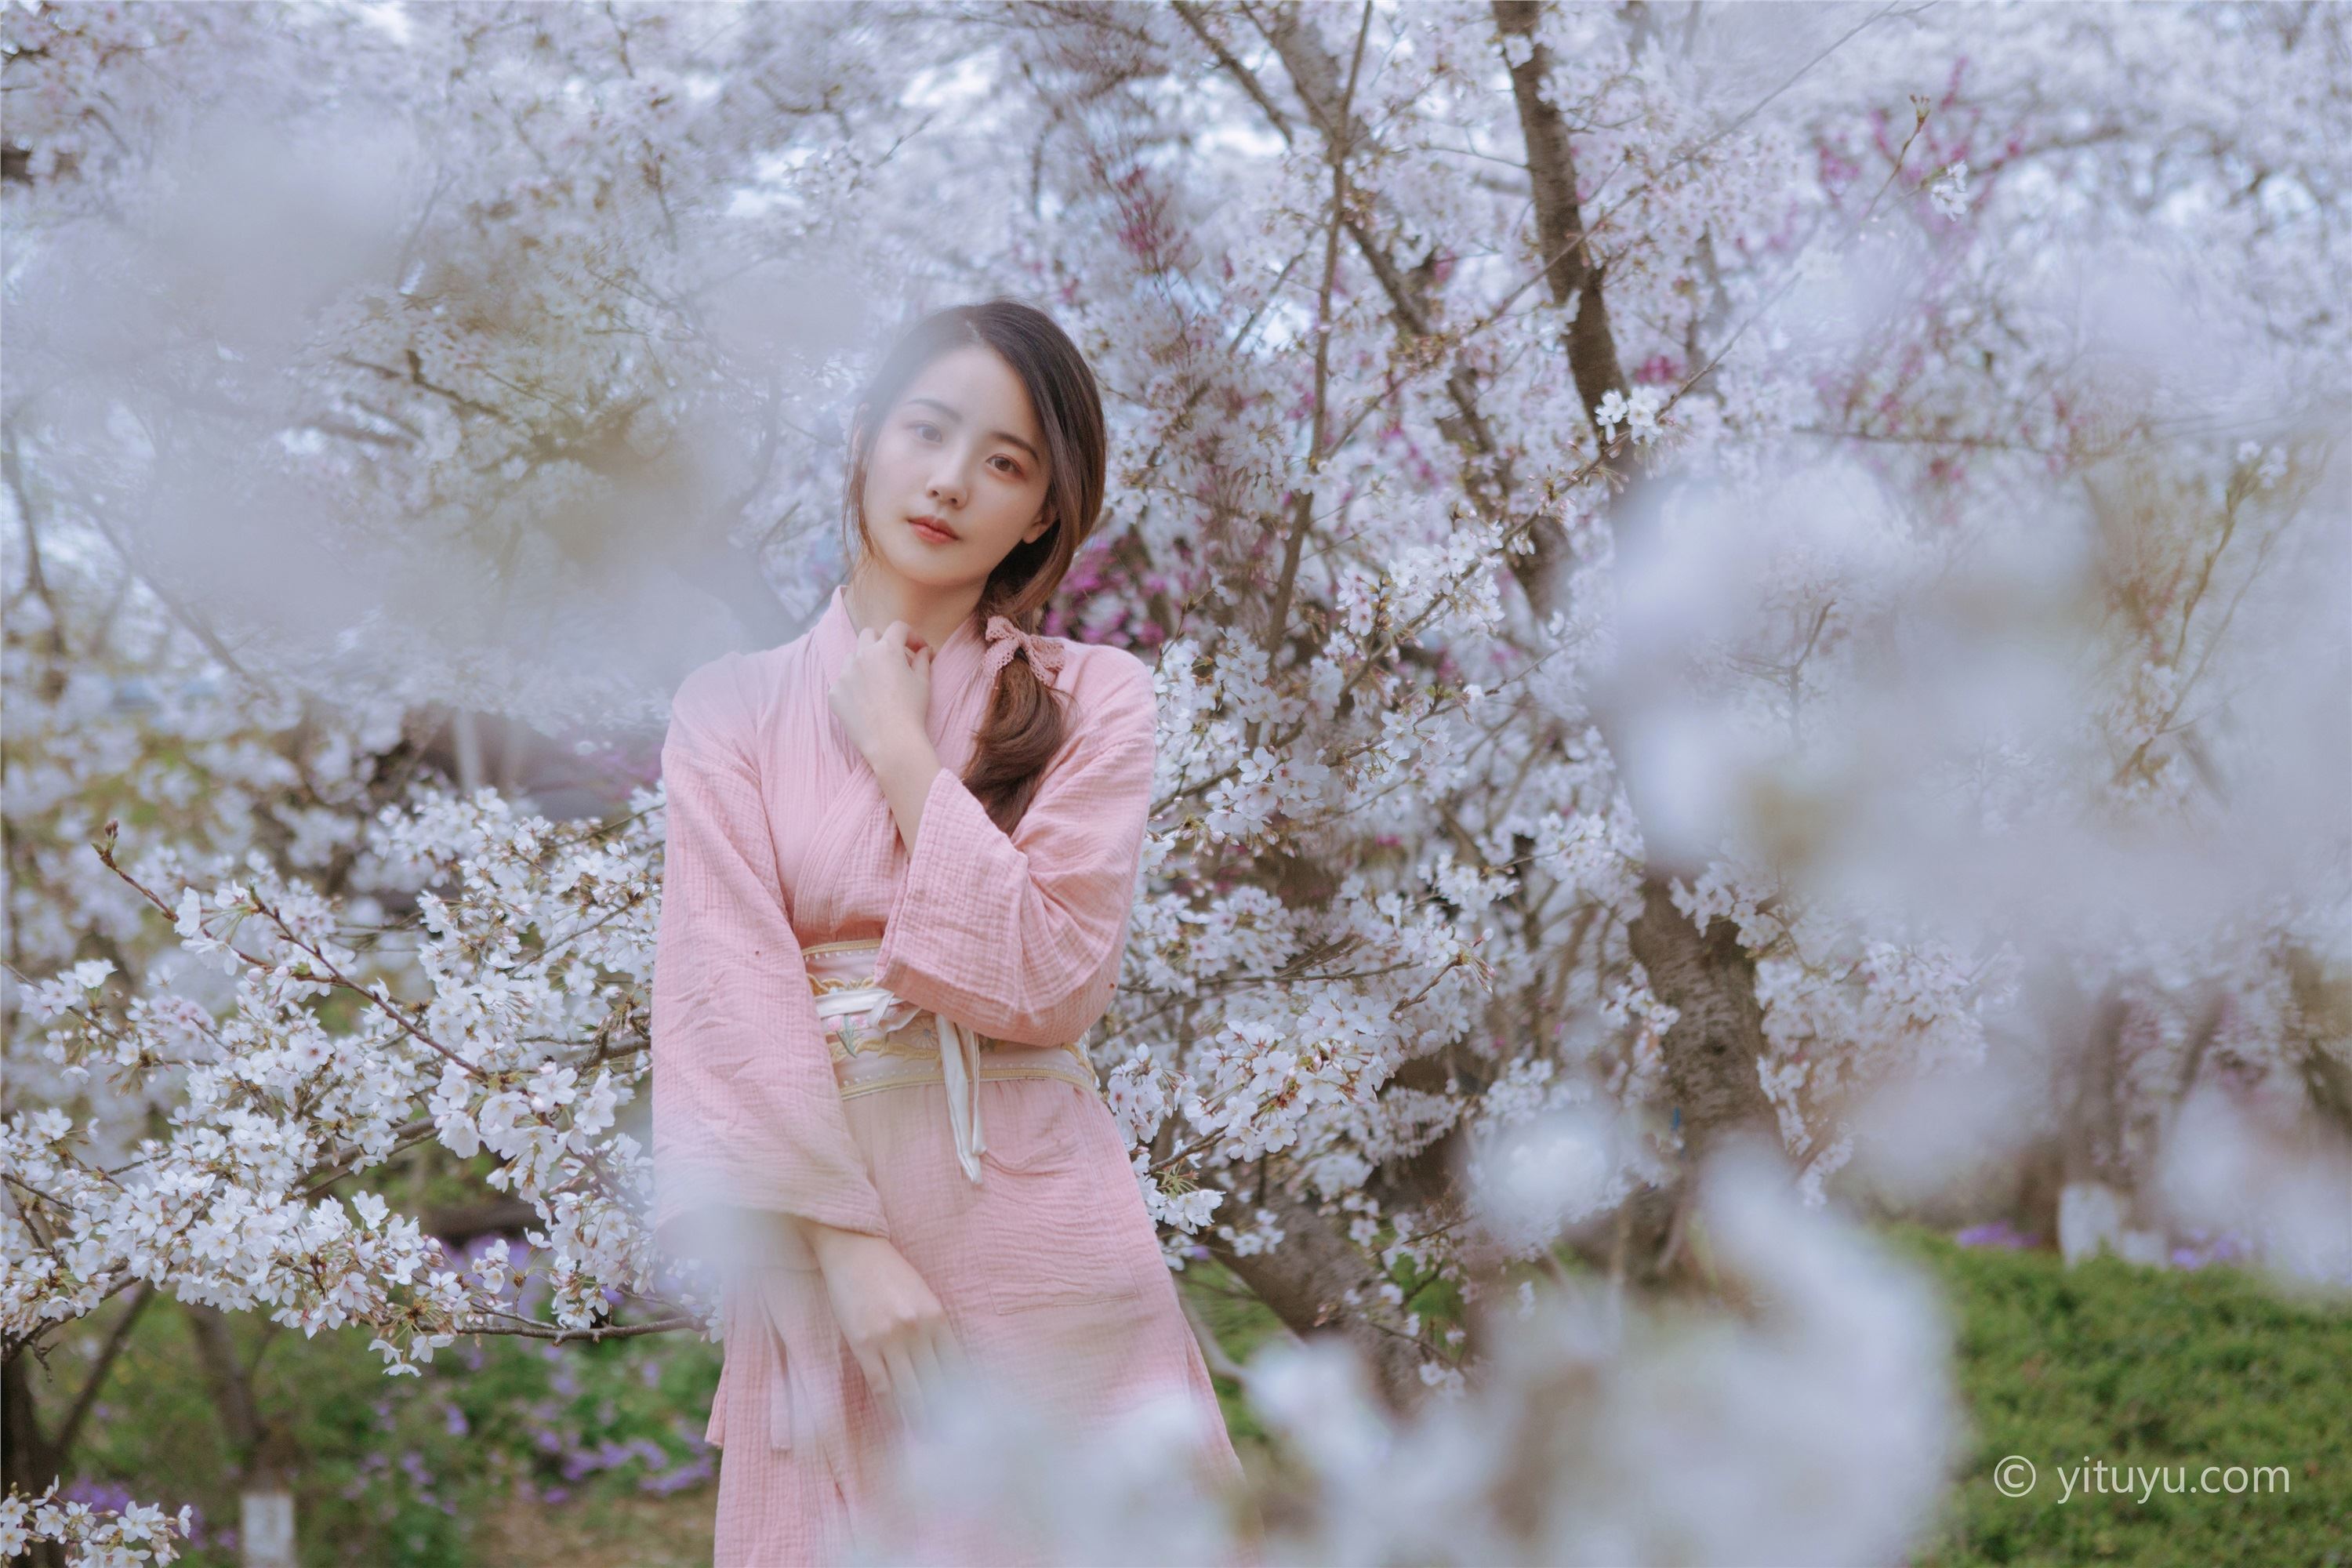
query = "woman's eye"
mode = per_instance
[
  {"x": 1010, "y": 469},
  {"x": 926, "y": 429}
]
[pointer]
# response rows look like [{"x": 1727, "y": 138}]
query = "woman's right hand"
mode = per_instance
[{"x": 895, "y": 1325}]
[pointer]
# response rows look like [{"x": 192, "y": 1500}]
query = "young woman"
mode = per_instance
[{"x": 901, "y": 853}]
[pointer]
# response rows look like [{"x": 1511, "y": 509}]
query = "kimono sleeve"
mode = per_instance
[
  {"x": 1020, "y": 936},
  {"x": 746, "y": 1114}
]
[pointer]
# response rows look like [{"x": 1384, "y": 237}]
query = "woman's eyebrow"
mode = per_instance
[{"x": 1005, "y": 436}]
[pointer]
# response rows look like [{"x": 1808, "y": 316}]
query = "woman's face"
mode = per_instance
[{"x": 961, "y": 450}]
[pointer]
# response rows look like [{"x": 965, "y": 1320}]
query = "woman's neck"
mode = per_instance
[{"x": 875, "y": 599}]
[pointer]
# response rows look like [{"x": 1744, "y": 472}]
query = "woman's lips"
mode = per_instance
[{"x": 926, "y": 529}]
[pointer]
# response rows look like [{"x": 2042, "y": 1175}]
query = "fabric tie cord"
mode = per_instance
[{"x": 879, "y": 1008}]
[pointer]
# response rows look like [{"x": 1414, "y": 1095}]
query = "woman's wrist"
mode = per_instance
[
  {"x": 901, "y": 749},
  {"x": 825, "y": 1241},
  {"x": 904, "y": 764}
]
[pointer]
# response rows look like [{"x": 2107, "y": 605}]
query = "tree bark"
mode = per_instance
[
  {"x": 1570, "y": 273},
  {"x": 1712, "y": 1050}
]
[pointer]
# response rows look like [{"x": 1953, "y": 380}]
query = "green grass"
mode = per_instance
[{"x": 2132, "y": 1366}]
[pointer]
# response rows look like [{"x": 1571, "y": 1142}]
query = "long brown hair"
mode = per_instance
[{"x": 1023, "y": 728}]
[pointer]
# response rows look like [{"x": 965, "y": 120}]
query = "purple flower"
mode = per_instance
[
  {"x": 691, "y": 1473},
  {"x": 1996, "y": 1234},
  {"x": 2201, "y": 1249},
  {"x": 109, "y": 1495}
]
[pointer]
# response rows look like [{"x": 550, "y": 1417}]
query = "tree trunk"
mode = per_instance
[
  {"x": 26, "y": 1455},
  {"x": 32, "y": 1458},
  {"x": 1307, "y": 1280},
  {"x": 1713, "y": 1050},
  {"x": 264, "y": 1459}
]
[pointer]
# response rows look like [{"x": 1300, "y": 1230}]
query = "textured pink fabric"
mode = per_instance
[{"x": 780, "y": 840}]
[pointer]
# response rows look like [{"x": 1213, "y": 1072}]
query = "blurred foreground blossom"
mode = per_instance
[
  {"x": 2284, "y": 1195},
  {"x": 1810, "y": 1419}
]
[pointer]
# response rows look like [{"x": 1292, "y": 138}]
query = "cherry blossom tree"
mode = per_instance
[{"x": 1679, "y": 618}]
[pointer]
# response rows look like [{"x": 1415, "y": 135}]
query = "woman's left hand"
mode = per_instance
[{"x": 883, "y": 694}]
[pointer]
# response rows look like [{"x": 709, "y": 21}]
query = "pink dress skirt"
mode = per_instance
[{"x": 1049, "y": 1269}]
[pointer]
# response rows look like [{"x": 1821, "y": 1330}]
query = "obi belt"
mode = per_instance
[{"x": 880, "y": 1040}]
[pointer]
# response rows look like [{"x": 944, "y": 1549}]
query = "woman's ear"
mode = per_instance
[{"x": 1036, "y": 531}]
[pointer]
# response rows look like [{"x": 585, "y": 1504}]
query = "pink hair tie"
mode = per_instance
[{"x": 1005, "y": 639}]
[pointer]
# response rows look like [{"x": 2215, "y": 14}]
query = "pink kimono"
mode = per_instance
[{"x": 779, "y": 842}]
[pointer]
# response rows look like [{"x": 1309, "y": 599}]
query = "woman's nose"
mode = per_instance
[{"x": 946, "y": 486}]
